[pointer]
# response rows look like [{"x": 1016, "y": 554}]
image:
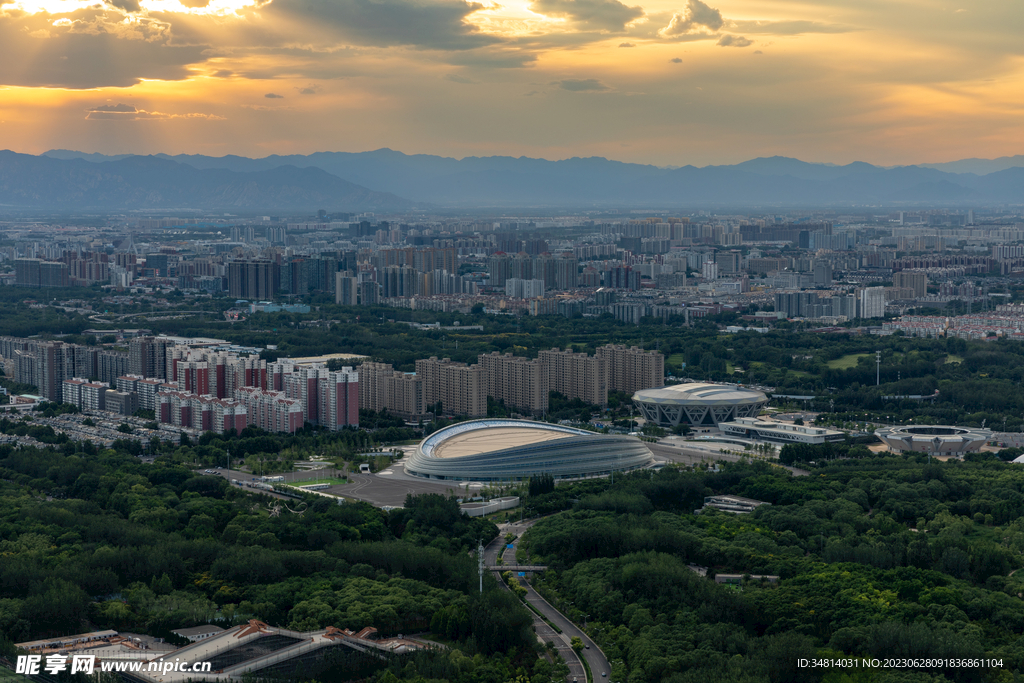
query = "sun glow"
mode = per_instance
[
  {"x": 514, "y": 18},
  {"x": 64, "y": 7}
]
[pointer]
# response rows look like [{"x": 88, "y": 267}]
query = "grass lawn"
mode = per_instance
[
  {"x": 954, "y": 359},
  {"x": 675, "y": 360},
  {"x": 847, "y": 362},
  {"x": 729, "y": 368}
]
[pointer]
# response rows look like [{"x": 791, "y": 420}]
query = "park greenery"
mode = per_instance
[{"x": 875, "y": 557}]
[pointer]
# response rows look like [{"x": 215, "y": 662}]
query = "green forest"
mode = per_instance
[
  {"x": 884, "y": 557},
  {"x": 875, "y": 557}
]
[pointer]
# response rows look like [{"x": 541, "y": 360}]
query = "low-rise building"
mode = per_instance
[{"x": 780, "y": 432}]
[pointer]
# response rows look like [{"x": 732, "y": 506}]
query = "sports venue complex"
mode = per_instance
[
  {"x": 697, "y": 404},
  {"x": 504, "y": 450},
  {"x": 934, "y": 439}
]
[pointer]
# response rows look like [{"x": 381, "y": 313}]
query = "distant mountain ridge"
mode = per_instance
[
  {"x": 601, "y": 183},
  {"x": 139, "y": 182}
]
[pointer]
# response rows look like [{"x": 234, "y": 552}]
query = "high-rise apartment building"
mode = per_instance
[
  {"x": 632, "y": 369},
  {"x": 346, "y": 290},
  {"x": 822, "y": 273},
  {"x": 381, "y": 387},
  {"x": 110, "y": 365},
  {"x": 576, "y": 375},
  {"x": 371, "y": 385},
  {"x": 912, "y": 279},
  {"x": 460, "y": 389},
  {"x": 147, "y": 356},
  {"x": 519, "y": 382},
  {"x": 256, "y": 279},
  {"x": 872, "y": 302}
]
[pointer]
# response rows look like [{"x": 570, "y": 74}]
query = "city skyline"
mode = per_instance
[{"x": 661, "y": 82}]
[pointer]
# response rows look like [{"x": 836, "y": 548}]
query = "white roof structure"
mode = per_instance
[
  {"x": 507, "y": 450},
  {"x": 698, "y": 404}
]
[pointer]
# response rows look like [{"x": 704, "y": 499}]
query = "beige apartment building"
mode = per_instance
[
  {"x": 632, "y": 369},
  {"x": 460, "y": 388},
  {"x": 520, "y": 382},
  {"x": 371, "y": 385},
  {"x": 576, "y": 375},
  {"x": 381, "y": 387},
  {"x": 912, "y": 279}
]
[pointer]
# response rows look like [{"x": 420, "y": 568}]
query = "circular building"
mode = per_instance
[
  {"x": 934, "y": 439},
  {"x": 503, "y": 450},
  {"x": 698, "y": 404}
]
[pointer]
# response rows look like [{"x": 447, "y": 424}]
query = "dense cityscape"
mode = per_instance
[{"x": 411, "y": 442}]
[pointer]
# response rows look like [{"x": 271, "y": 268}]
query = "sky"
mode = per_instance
[{"x": 665, "y": 82}]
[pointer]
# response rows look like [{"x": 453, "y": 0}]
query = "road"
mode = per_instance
[
  {"x": 390, "y": 486},
  {"x": 592, "y": 653}
]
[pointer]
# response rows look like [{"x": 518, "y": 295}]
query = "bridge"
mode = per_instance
[{"x": 517, "y": 567}]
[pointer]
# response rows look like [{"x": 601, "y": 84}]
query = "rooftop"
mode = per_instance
[{"x": 493, "y": 439}]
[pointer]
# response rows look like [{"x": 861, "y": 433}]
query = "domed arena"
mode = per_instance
[
  {"x": 698, "y": 404},
  {"x": 513, "y": 450}
]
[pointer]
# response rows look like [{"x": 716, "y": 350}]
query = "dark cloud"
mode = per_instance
[
  {"x": 677, "y": 60},
  {"x": 582, "y": 85},
  {"x": 697, "y": 16},
  {"x": 426, "y": 24},
  {"x": 758, "y": 52},
  {"x": 606, "y": 15},
  {"x": 274, "y": 96},
  {"x": 223, "y": 73},
  {"x": 89, "y": 49},
  {"x": 626, "y": 45},
  {"x": 734, "y": 41},
  {"x": 456, "y": 78},
  {"x": 309, "y": 91}
]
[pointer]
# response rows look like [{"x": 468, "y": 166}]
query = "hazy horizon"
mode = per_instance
[{"x": 267, "y": 155}]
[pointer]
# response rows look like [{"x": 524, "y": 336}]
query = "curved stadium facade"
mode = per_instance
[
  {"x": 503, "y": 450},
  {"x": 698, "y": 404}
]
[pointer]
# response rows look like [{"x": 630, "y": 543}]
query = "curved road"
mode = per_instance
[{"x": 596, "y": 660}]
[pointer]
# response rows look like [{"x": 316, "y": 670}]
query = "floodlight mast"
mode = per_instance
[{"x": 480, "y": 563}]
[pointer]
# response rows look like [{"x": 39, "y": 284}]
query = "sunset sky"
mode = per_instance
[{"x": 668, "y": 82}]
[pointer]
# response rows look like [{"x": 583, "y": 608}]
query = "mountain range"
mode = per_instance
[
  {"x": 148, "y": 182},
  {"x": 388, "y": 181}
]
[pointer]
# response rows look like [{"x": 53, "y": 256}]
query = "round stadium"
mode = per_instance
[
  {"x": 507, "y": 450},
  {"x": 697, "y": 404},
  {"x": 934, "y": 439}
]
